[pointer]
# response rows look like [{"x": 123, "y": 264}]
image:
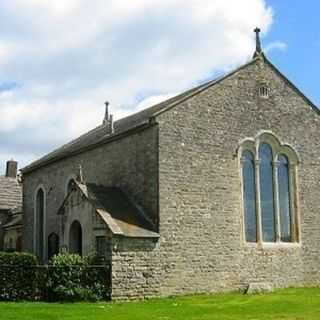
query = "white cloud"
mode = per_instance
[
  {"x": 68, "y": 57},
  {"x": 153, "y": 100},
  {"x": 5, "y": 50},
  {"x": 276, "y": 45}
]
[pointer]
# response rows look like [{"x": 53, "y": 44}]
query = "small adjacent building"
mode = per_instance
[
  {"x": 92, "y": 214},
  {"x": 10, "y": 209}
]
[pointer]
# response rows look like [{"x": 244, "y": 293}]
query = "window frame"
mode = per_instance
[
  {"x": 244, "y": 160},
  {"x": 252, "y": 145},
  {"x": 42, "y": 255}
]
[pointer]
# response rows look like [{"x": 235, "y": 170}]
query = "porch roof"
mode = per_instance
[{"x": 120, "y": 214}]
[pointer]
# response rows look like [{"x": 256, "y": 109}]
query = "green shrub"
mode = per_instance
[
  {"x": 96, "y": 277},
  {"x": 68, "y": 277},
  {"x": 64, "y": 277},
  {"x": 74, "y": 278},
  {"x": 17, "y": 276}
]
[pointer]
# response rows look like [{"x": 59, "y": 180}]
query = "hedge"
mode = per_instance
[
  {"x": 67, "y": 277},
  {"x": 17, "y": 276}
]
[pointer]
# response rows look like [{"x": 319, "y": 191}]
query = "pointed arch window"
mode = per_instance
[
  {"x": 39, "y": 216},
  {"x": 266, "y": 193},
  {"x": 249, "y": 195},
  {"x": 284, "y": 199},
  {"x": 269, "y": 191}
]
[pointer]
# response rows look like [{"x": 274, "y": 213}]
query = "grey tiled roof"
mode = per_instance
[
  {"x": 10, "y": 193},
  {"x": 100, "y": 134},
  {"x": 112, "y": 202},
  {"x": 121, "y": 216}
]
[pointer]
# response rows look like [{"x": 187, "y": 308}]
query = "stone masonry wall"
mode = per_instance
[
  {"x": 136, "y": 267},
  {"x": 129, "y": 163},
  {"x": 201, "y": 220}
]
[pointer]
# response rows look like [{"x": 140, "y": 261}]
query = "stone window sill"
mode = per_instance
[{"x": 273, "y": 245}]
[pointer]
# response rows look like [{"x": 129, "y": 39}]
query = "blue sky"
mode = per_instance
[
  {"x": 297, "y": 24},
  {"x": 61, "y": 60}
]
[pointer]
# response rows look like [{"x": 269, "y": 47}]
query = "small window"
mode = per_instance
[
  {"x": 263, "y": 91},
  {"x": 71, "y": 186},
  {"x": 101, "y": 246},
  {"x": 53, "y": 245}
]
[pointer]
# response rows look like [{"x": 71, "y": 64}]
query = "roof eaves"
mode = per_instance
[
  {"x": 107, "y": 139},
  {"x": 109, "y": 221},
  {"x": 148, "y": 234}
]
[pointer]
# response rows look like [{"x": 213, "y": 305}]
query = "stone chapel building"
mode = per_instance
[{"x": 215, "y": 189}]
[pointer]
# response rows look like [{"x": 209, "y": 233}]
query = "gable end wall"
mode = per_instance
[{"x": 201, "y": 246}]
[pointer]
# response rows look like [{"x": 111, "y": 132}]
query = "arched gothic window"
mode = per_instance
[
  {"x": 39, "y": 223},
  {"x": 249, "y": 194},
  {"x": 284, "y": 198},
  {"x": 266, "y": 193},
  {"x": 268, "y": 182}
]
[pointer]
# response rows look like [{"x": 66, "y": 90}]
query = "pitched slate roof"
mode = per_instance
[
  {"x": 100, "y": 134},
  {"x": 10, "y": 193},
  {"x": 120, "y": 215}
]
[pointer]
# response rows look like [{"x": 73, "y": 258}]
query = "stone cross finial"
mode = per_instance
[
  {"x": 258, "y": 42},
  {"x": 80, "y": 175}
]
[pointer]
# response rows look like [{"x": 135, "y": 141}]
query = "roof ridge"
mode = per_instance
[
  {"x": 131, "y": 121},
  {"x": 83, "y": 135},
  {"x": 208, "y": 84},
  {"x": 176, "y": 98},
  {"x": 70, "y": 143}
]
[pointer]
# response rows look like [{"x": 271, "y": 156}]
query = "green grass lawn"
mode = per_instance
[{"x": 293, "y": 304}]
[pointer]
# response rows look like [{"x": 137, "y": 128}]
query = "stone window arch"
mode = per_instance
[
  {"x": 269, "y": 189},
  {"x": 40, "y": 222}
]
